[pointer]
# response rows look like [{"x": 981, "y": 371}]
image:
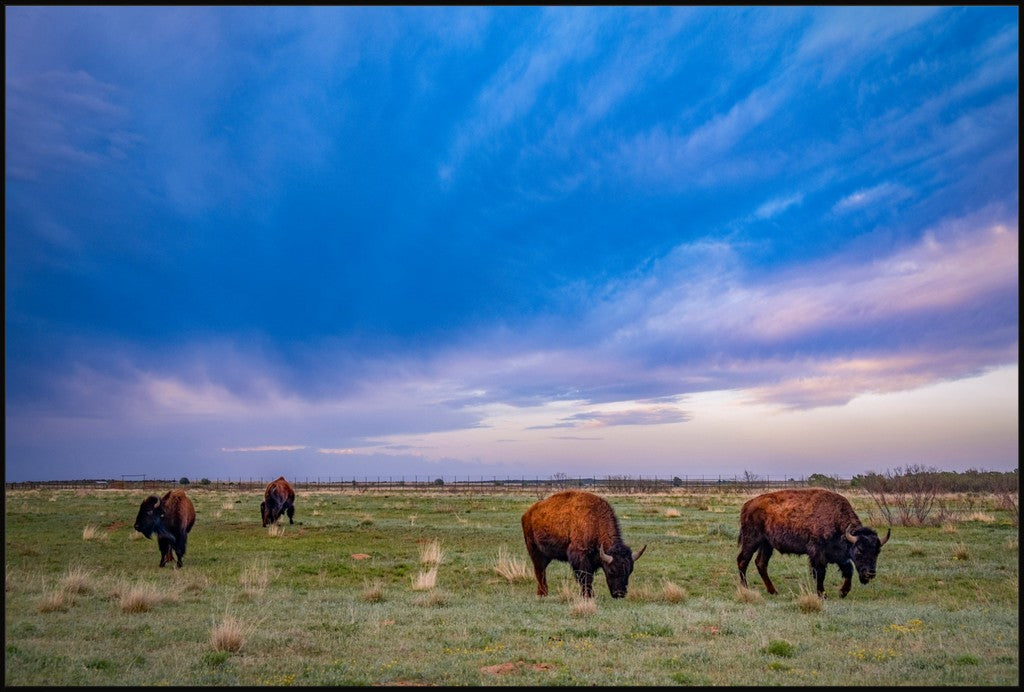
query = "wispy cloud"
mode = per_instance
[{"x": 265, "y": 448}]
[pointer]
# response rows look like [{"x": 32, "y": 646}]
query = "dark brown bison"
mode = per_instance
[
  {"x": 808, "y": 521},
  {"x": 170, "y": 518},
  {"x": 579, "y": 528},
  {"x": 278, "y": 499}
]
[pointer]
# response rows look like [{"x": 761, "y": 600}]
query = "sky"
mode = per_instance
[{"x": 474, "y": 242}]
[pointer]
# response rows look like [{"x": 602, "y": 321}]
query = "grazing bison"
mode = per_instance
[
  {"x": 579, "y": 528},
  {"x": 170, "y": 518},
  {"x": 278, "y": 498},
  {"x": 808, "y": 521}
]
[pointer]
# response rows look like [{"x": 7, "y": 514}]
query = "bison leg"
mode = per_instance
[
  {"x": 847, "y": 569},
  {"x": 764, "y": 554},
  {"x": 291, "y": 513},
  {"x": 743, "y": 560},
  {"x": 540, "y": 566},
  {"x": 165, "y": 550},
  {"x": 583, "y": 573},
  {"x": 818, "y": 570},
  {"x": 181, "y": 549}
]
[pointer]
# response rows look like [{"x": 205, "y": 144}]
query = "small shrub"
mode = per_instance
[
  {"x": 780, "y": 647},
  {"x": 960, "y": 552}
]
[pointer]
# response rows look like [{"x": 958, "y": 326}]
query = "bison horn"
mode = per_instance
[
  {"x": 887, "y": 532},
  {"x": 605, "y": 557},
  {"x": 850, "y": 537},
  {"x": 636, "y": 555}
]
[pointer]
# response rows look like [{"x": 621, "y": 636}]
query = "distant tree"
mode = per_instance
[
  {"x": 676, "y": 481},
  {"x": 205, "y": 481},
  {"x": 821, "y": 480},
  {"x": 184, "y": 480},
  {"x": 438, "y": 481}
]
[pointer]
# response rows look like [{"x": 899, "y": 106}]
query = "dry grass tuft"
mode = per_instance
[
  {"x": 673, "y": 593},
  {"x": 568, "y": 590},
  {"x": 435, "y": 598},
  {"x": 431, "y": 553},
  {"x": 373, "y": 592},
  {"x": 671, "y": 513},
  {"x": 982, "y": 517},
  {"x": 256, "y": 578},
  {"x": 512, "y": 568},
  {"x": 425, "y": 580},
  {"x": 808, "y": 601},
  {"x": 94, "y": 533},
  {"x": 949, "y": 527},
  {"x": 58, "y": 600},
  {"x": 140, "y": 598},
  {"x": 77, "y": 580},
  {"x": 745, "y": 595},
  {"x": 275, "y": 530},
  {"x": 580, "y": 606},
  {"x": 960, "y": 552},
  {"x": 228, "y": 635}
]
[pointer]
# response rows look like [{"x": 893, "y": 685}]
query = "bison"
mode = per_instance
[
  {"x": 170, "y": 518},
  {"x": 278, "y": 499},
  {"x": 579, "y": 528},
  {"x": 808, "y": 521}
]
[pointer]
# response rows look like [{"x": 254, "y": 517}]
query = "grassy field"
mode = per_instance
[{"x": 436, "y": 589}]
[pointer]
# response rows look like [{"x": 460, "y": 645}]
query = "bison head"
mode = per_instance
[
  {"x": 149, "y": 517},
  {"x": 864, "y": 548},
  {"x": 618, "y": 565}
]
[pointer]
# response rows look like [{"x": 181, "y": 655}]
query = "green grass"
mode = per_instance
[{"x": 251, "y": 608}]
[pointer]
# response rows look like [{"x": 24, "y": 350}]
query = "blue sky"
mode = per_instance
[{"x": 506, "y": 241}]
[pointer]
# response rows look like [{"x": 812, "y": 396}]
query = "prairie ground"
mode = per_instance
[{"x": 433, "y": 588}]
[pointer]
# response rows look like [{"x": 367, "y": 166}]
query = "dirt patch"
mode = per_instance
[{"x": 360, "y": 556}]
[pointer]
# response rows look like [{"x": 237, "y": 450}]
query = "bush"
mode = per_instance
[{"x": 184, "y": 480}]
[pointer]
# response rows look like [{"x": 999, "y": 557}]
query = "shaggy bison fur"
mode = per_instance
[
  {"x": 808, "y": 521},
  {"x": 170, "y": 517},
  {"x": 278, "y": 498},
  {"x": 579, "y": 528}
]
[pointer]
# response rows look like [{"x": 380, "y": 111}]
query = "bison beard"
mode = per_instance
[
  {"x": 579, "y": 528},
  {"x": 278, "y": 499},
  {"x": 170, "y": 518},
  {"x": 809, "y": 521}
]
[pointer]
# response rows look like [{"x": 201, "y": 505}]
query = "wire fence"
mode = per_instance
[{"x": 456, "y": 484}]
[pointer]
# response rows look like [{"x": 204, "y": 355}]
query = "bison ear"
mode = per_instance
[
  {"x": 887, "y": 532},
  {"x": 605, "y": 557},
  {"x": 849, "y": 536},
  {"x": 636, "y": 555}
]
